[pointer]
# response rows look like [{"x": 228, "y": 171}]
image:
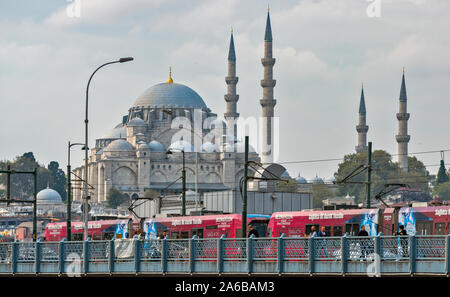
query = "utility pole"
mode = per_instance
[
  {"x": 369, "y": 172},
  {"x": 244, "y": 191},
  {"x": 183, "y": 197}
]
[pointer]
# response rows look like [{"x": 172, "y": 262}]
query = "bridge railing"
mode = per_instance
[{"x": 302, "y": 255}]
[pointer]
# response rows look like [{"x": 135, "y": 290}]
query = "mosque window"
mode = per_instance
[
  {"x": 153, "y": 166},
  {"x": 170, "y": 167},
  {"x": 145, "y": 163},
  {"x": 157, "y": 166},
  {"x": 145, "y": 154},
  {"x": 164, "y": 167},
  {"x": 201, "y": 167}
]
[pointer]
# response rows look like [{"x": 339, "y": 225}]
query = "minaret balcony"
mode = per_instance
[
  {"x": 231, "y": 80},
  {"x": 268, "y": 102},
  {"x": 231, "y": 98},
  {"x": 268, "y": 83},
  {"x": 402, "y": 116},
  {"x": 402, "y": 138},
  {"x": 362, "y": 128},
  {"x": 361, "y": 148},
  {"x": 268, "y": 61},
  {"x": 231, "y": 115}
]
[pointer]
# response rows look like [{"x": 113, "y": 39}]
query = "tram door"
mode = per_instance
[
  {"x": 197, "y": 231},
  {"x": 424, "y": 227},
  {"x": 352, "y": 229}
]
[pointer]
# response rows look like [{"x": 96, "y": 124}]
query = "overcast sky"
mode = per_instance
[{"x": 324, "y": 50}]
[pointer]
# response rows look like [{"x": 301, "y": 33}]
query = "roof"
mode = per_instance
[
  {"x": 403, "y": 96},
  {"x": 170, "y": 95},
  {"x": 362, "y": 103},
  {"x": 136, "y": 122},
  {"x": 231, "y": 53},
  {"x": 119, "y": 145},
  {"x": 268, "y": 35},
  {"x": 49, "y": 196}
]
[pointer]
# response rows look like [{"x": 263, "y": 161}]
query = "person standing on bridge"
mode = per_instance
[
  {"x": 362, "y": 244},
  {"x": 251, "y": 231}
]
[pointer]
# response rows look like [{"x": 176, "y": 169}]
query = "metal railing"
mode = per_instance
[{"x": 284, "y": 255}]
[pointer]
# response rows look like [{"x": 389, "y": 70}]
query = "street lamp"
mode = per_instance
[
  {"x": 86, "y": 148},
  {"x": 183, "y": 187},
  {"x": 69, "y": 192}
]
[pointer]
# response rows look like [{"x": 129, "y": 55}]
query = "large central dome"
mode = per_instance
[{"x": 170, "y": 95}]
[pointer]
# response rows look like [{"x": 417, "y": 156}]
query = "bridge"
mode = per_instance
[{"x": 340, "y": 256}]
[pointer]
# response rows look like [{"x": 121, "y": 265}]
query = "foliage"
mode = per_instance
[
  {"x": 320, "y": 192},
  {"x": 442, "y": 176},
  {"x": 114, "y": 198},
  {"x": 289, "y": 185},
  {"x": 442, "y": 190},
  {"x": 384, "y": 171},
  {"x": 58, "y": 178}
]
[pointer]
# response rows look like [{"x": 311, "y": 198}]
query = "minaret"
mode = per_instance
[
  {"x": 267, "y": 102},
  {"x": 231, "y": 116},
  {"x": 403, "y": 137},
  {"x": 362, "y": 128}
]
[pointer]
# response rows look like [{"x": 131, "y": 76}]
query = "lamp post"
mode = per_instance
[
  {"x": 86, "y": 148},
  {"x": 69, "y": 192},
  {"x": 183, "y": 187}
]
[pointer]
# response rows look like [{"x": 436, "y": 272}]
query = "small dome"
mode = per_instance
[
  {"x": 143, "y": 146},
  {"x": 156, "y": 146},
  {"x": 317, "y": 180},
  {"x": 182, "y": 145},
  {"x": 119, "y": 131},
  {"x": 208, "y": 147},
  {"x": 136, "y": 122},
  {"x": 285, "y": 175},
  {"x": 49, "y": 196},
  {"x": 301, "y": 180},
  {"x": 119, "y": 145}
]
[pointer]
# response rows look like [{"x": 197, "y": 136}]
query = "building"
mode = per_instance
[{"x": 171, "y": 116}]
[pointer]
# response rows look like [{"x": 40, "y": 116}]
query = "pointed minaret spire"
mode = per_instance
[
  {"x": 231, "y": 98},
  {"x": 362, "y": 128},
  {"x": 267, "y": 102},
  {"x": 170, "y": 80},
  {"x": 402, "y": 137}
]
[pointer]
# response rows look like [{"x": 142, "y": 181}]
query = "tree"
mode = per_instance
[
  {"x": 320, "y": 192},
  {"x": 442, "y": 190},
  {"x": 289, "y": 185},
  {"x": 58, "y": 179},
  {"x": 442, "y": 176},
  {"x": 114, "y": 198},
  {"x": 384, "y": 171}
]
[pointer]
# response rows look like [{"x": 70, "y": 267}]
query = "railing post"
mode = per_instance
[
  {"x": 61, "y": 256},
  {"x": 447, "y": 255},
  {"x": 86, "y": 255},
  {"x": 412, "y": 254},
  {"x": 344, "y": 252},
  {"x": 111, "y": 256},
  {"x": 250, "y": 254},
  {"x": 192, "y": 247},
  {"x": 312, "y": 253},
  {"x": 280, "y": 257},
  {"x": 14, "y": 249},
  {"x": 164, "y": 255},
  {"x": 37, "y": 256},
  {"x": 220, "y": 254},
  {"x": 137, "y": 255}
]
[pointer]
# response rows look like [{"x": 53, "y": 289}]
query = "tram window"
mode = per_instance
[
  {"x": 308, "y": 228},
  {"x": 260, "y": 227},
  {"x": 352, "y": 229},
  {"x": 96, "y": 237},
  {"x": 328, "y": 230},
  {"x": 175, "y": 235},
  {"x": 211, "y": 227},
  {"x": 77, "y": 237},
  {"x": 197, "y": 231},
  {"x": 108, "y": 235},
  {"x": 439, "y": 229},
  {"x": 184, "y": 234},
  {"x": 337, "y": 230}
]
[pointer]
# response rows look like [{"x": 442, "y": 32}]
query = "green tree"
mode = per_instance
[
  {"x": 289, "y": 185},
  {"x": 384, "y": 171},
  {"x": 320, "y": 192},
  {"x": 442, "y": 176},
  {"x": 58, "y": 178},
  {"x": 442, "y": 190},
  {"x": 114, "y": 198}
]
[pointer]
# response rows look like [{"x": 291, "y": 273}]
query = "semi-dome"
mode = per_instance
[
  {"x": 208, "y": 147},
  {"x": 135, "y": 122},
  {"x": 119, "y": 131},
  {"x": 49, "y": 196},
  {"x": 300, "y": 179},
  {"x": 317, "y": 180},
  {"x": 142, "y": 145},
  {"x": 170, "y": 95},
  {"x": 181, "y": 145},
  {"x": 285, "y": 175},
  {"x": 156, "y": 146},
  {"x": 119, "y": 145}
]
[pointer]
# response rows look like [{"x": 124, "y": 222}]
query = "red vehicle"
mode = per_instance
[
  {"x": 208, "y": 226},
  {"x": 98, "y": 230},
  {"x": 434, "y": 220}
]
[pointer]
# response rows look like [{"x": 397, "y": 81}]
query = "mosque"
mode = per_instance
[{"x": 133, "y": 157}]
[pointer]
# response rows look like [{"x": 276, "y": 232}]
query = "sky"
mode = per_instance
[{"x": 324, "y": 50}]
